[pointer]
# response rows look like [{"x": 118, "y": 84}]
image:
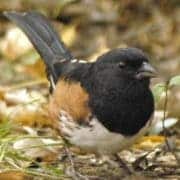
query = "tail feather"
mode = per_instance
[{"x": 44, "y": 38}]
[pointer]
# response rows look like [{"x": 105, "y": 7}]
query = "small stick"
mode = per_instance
[{"x": 163, "y": 123}]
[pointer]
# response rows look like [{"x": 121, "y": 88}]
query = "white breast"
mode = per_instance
[{"x": 95, "y": 137}]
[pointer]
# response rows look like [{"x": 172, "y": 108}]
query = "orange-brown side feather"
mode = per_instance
[{"x": 70, "y": 97}]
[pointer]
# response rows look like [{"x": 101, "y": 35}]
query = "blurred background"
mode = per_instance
[{"x": 88, "y": 28}]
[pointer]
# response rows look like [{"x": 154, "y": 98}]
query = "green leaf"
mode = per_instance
[
  {"x": 175, "y": 81},
  {"x": 158, "y": 90}
]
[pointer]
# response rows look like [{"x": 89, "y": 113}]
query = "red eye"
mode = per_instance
[{"x": 121, "y": 64}]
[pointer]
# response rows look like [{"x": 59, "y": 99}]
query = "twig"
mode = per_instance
[
  {"x": 163, "y": 123},
  {"x": 164, "y": 112}
]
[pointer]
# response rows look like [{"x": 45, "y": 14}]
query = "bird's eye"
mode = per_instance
[{"x": 121, "y": 64}]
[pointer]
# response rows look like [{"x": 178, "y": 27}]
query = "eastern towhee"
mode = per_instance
[{"x": 101, "y": 107}]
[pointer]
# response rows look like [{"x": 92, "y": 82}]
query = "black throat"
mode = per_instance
[{"x": 121, "y": 104}]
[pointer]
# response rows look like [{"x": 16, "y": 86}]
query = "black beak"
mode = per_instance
[{"x": 146, "y": 70}]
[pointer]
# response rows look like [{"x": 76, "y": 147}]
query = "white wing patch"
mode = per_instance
[
  {"x": 63, "y": 60},
  {"x": 52, "y": 82},
  {"x": 78, "y": 61},
  {"x": 95, "y": 137}
]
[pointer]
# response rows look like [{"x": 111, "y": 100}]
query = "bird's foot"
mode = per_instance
[
  {"x": 123, "y": 165},
  {"x": 75, "y": 175},
  {"x": 99, "y": 161}
]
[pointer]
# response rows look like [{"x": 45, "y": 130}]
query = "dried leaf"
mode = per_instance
[
  {"x": 149, "y": 142},
  {"x": 32, "y": 148},
  {"x": 14, "y": 175},
  {"x": 175, "y": 81},
  {"x": 68, "y": 34},
  {"x": 22, "y": 96},
  {"x": 14, "y": 44},
  {"x": 45, "y": 148},
  {"x": 158, "y": 126},
  {"x": 37, "y": 118},
  {"x": 2, "y": 93},
  {"x": 36, "y": 69}
]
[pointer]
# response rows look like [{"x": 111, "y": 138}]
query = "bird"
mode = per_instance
[{"x": 102, "y": 106}]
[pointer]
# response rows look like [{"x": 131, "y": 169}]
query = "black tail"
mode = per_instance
[{"x": 43, "y": 36}]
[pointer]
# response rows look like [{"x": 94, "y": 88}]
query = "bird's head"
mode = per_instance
[{"x": 130, "y": 63}]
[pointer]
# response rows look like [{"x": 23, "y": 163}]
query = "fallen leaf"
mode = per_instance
[
  {"x": 14, "y": 44},
  {"x": 68, "y": 34},
  {"x": 149, "y": 142},
  {"x": 174, "y": 81},
  {"x": 14, "y": 175}
]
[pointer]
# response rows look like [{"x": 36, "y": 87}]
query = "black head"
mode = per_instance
[{"x": 129, "y": 62}]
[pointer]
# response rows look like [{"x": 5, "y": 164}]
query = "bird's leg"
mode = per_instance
[
  {"x": 104, "y": 159},
  {"x": 123, "y": 164},
  {"x": 114, "y": 161},
  {"x": 72, "y": 171}
]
